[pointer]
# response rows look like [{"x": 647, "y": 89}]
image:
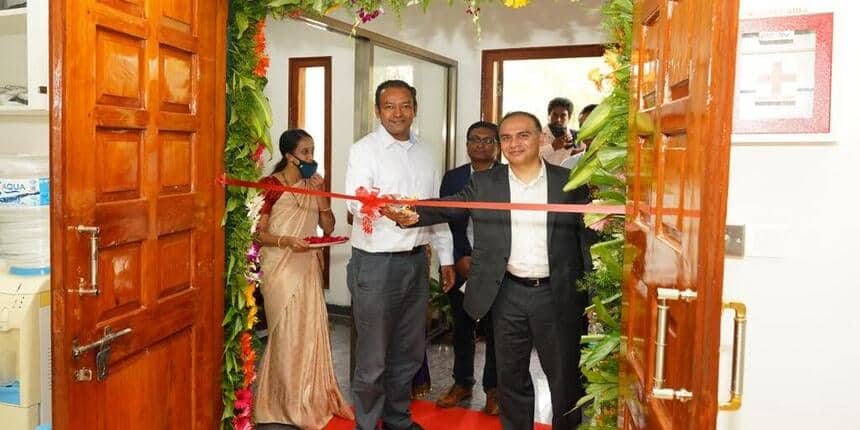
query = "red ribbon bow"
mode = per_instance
[{"x": 370, "y": 204}]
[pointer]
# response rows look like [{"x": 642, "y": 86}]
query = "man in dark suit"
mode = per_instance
[
  {"x": 524, "y": 267},
  {"x": 482, "y": 146}
]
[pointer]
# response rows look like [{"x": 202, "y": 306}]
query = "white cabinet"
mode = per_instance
[{"x": 24, "y": 58}]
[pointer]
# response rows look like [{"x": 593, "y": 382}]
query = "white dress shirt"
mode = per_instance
[
  {"x": 529, "y": 256},
  {"x": 406, "y": 168},
  {"x": 554, "y": 156}
]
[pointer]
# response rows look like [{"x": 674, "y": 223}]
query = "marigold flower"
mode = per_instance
[{"x": 516, "y": 4}]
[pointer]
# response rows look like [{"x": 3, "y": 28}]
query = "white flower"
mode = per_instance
[{"x": 254, "y": 205}]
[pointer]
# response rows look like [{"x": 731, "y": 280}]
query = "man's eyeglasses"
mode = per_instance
[{"x": 481, "y": 140}]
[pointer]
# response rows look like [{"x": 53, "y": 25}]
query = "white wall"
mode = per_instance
[
  {"x": 21, "y": 134},
  {"x": 802, "y": 284},
  {"x": 288, "y": 38}
]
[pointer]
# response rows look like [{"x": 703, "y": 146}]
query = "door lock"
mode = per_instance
[
  {"x": 102, "y": 357},
  {"x": 83, "y": 375}
]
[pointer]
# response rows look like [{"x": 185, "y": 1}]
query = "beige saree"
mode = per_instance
[{"x": 296, "y": 382}]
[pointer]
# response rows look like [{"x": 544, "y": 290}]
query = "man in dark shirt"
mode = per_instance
[{"x": 482, "y": 146}]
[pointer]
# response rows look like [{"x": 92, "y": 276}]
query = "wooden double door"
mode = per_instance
[
  {"x": 137, "y": 133},
  {"x": 683, "y": 79}
]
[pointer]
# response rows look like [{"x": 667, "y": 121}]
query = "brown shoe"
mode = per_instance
[
  {"x": 455, "y": 395},
  {"x": 419, "y": 391},
  {"x": 492, "y": 406}
]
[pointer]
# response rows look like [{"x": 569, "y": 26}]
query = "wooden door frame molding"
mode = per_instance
[
  {"x": 58, "y": 128},
  {"x": 492, "y": 76},
  {"x": 295, "y": 64}
]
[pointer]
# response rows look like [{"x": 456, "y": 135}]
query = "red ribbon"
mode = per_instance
[{"x": 371, "y": 201}]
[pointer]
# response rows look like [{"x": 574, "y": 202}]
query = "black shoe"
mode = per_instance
[{"x": 413, "y": 426}]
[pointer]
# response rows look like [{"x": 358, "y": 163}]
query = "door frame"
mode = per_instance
[
  {"x": 492, "y": 72},
  {"x": 365, "y": 40},
  {"x": 60, "y": 345},
  {"x": 295, "y": 94}
]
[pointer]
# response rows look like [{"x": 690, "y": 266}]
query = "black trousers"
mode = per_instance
[
  {"x": 389, "y": 303},
  {"x": 464, "y": 345},
  {"x": 524, "y": 318}
]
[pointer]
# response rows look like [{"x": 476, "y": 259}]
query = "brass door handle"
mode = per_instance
[
  {"x": 663, "y": 297},
  {"x": 738, "y": 353},
  {"x": 93, "y": 288}
]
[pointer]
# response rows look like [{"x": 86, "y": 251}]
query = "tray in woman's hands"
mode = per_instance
[{"x": 323, "y": 241}]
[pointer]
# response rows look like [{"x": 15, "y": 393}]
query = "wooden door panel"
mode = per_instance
[
  {"x": 176, "y": 213},
  {"x": 649, "y": 59},
  {"x": 678, "y": 62},
  {"x": 176, "y": 76},
  {"x": 130, "y": 7},
  {"x": 122, "y": 277},
  {"x": 118, "y": 181},
  {"x": 161, "y": 374},
  {"x": 683, "y": 71},
  {"x": 671, "y": 198},
  {"x": 175, "y": 162},
  {"x": 130, "y": 159},
  {"x": 179, "y": 16}
]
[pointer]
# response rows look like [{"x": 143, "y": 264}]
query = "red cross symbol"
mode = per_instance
[{"x": 776, "y": 78}]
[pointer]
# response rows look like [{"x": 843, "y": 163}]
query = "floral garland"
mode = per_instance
[
  {"x": 249, "y": 119},
  {"x": 603, "y": 166}
]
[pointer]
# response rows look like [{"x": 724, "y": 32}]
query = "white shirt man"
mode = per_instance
[
  {"x": 405, "y": 168},
  {"x": 388, "y": 274}
]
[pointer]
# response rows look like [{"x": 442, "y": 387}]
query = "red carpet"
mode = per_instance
[{"x": 432, "y": 418}]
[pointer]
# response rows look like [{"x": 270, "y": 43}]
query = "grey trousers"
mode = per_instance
[
  {"x": 524, "y": 317},
  {"x": 390, "y": 294}
]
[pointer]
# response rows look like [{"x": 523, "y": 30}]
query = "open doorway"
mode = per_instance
[{"x": 527, "y": 78}]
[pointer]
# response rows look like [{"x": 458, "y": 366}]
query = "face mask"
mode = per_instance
[
  {"x": 557, "y": 130},
  {"x": 307, "y": 169}
]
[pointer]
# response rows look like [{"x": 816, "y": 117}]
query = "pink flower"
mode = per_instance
[
  {"x": 242, "y": 423},
  {"x": 243, "y": 401},
  {"x": 254, "y": 252},
  {"x": 258, "y": 153},
  {"x": 365, "y": 16}
]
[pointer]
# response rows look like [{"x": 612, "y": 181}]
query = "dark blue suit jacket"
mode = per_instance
[{"x": 452, "y": 183}]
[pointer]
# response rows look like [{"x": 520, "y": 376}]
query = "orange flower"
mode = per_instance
[
  {"x": 249, "y": 356},
  {"x": 250, "y": 375},
  {"x": 260, "y": 49},
  {"x": 260, "y": 37},
  {"x": 245, "y": 343},
  {"x": 262, "y": 66}
]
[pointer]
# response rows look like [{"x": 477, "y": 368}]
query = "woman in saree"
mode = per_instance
[{"x": 296, "y": 382}]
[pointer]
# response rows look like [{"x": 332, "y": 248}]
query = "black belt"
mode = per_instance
[
  {"x": 412, "y": 251},
  {"x": 529, "y": 282}
]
